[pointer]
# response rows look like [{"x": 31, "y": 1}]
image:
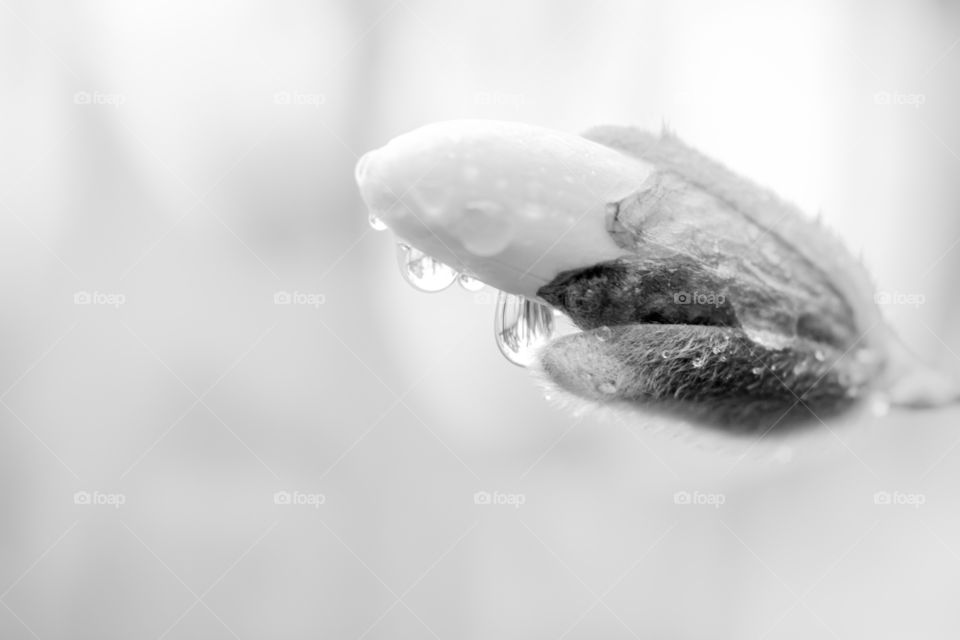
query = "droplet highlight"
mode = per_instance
[
  {"x": 376, "y": 223},
  {"x": 607, "y": 388},
  {"x": 423, "y": 272},
  {"x": 521, "y": 327}
]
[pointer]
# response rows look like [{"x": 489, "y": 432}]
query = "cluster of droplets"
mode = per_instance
[{"x": 521, "y": 326}]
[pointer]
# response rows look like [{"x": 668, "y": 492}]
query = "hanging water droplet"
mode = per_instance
[
  {"x": 470, "y": 283},
  {"x": 521, "y": 326},
  {"x": 664, "y": 354},
  {"x": 422, "y": 271},
  {"x": 607, "y": 388},
  {"x": 376, "y": 223},
  {"x": 603, "y": 333}
]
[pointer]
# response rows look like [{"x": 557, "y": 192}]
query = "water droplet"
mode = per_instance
[
  {"x": 470, "y": 283},
  {"x": 607, "y": 388},
  {"x": 422, "y": 271},
  {"x": 521, "y": 326},
  {"x": 485, "y": 228},
  {"x": 720, "y": 347},
  {"x": 603, "y": 333},
  {"x": 699, "y": 362},
  {"x": 767, "y": 338},
  {"x": 756, "y": 371},
  {"x": 664, "y": 354},
  {"x": 376, "y": 223},
  {"x": 818, "y": 354}
]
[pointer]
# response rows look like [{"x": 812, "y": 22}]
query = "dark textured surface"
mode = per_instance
[
  {"x": 715, "y": 375},
  {"x": 734, "y": 309}
]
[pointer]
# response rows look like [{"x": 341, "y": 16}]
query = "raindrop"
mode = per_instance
[
  {"x": 664, "y": 354},
  {"x": 818, "y": 354},
  {"x": 422, "y": 271},
  {"x": 607, "y": 388},
  {"x": 376, "y": 223},
  {"x": 521, "y": 326},
  {"x": 722, "y": 346},
  {"x": 486, "y": 228},
  {"x": 603, "y": 333},
  {"x": 768, "y": 339},
  {"x": 699, "y": 362},
  {"x": 756, "y": 371},
  {"x": 470, "y": 283}
]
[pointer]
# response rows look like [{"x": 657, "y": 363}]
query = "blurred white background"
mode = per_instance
[{"x": 181, "y": 162}]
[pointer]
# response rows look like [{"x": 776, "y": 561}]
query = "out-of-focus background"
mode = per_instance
[{"x": 182, "y": 457}]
